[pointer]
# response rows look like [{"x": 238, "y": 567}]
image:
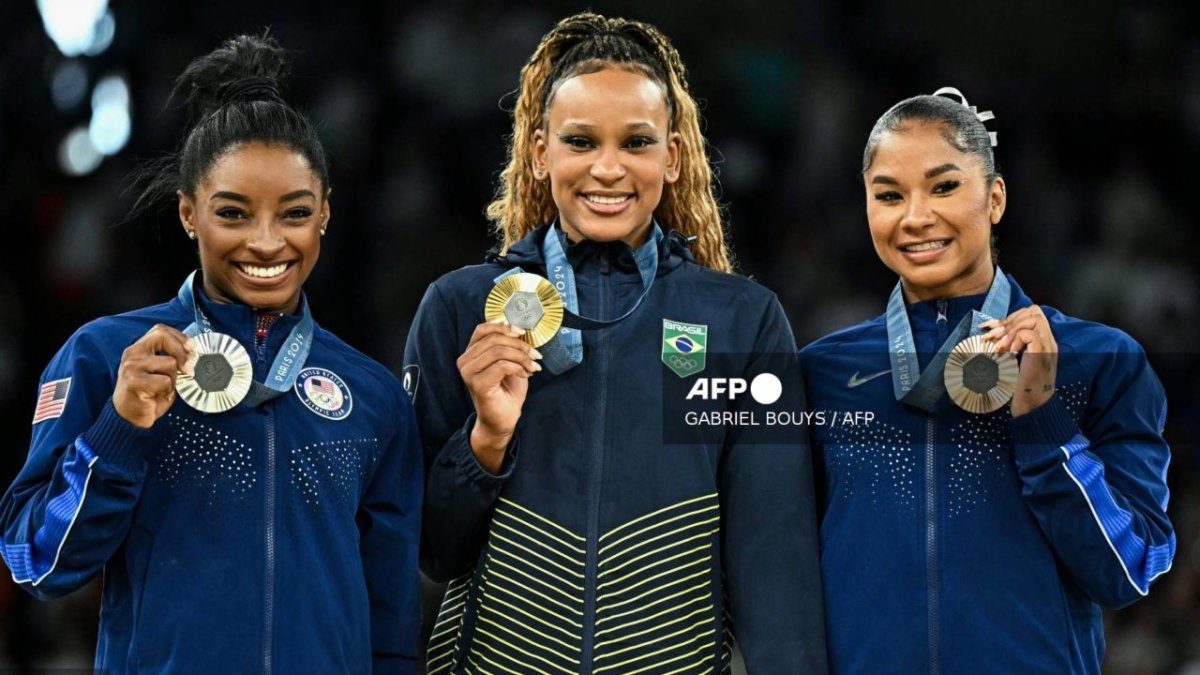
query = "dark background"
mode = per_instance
[{"x": 1098, "y": 114}]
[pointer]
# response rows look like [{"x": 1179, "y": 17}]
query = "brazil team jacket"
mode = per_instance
[
  {"x": 600, "y": 548},
  {"x": 282, "y": 538},
  {"x": 964, "y": 543}
]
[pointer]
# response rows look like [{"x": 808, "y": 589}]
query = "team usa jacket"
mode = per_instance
[
  {"x": 962, "y": 543},
  {"x": 281, "y": 538},
  {"x": 600, "y": 548}
]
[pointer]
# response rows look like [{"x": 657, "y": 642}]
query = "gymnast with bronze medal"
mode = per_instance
[{"x": 1011, "y": 482}]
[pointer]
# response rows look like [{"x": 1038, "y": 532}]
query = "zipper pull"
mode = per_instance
[{"x": 942, "y": 308}]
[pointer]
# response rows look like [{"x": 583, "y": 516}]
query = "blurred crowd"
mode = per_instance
[{"x": 1097, "y": 113}]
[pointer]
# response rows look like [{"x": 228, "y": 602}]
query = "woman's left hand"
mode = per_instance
[{"x": 1027, "y": 330}]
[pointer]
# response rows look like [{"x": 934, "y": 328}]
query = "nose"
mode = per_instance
[
  {"x": 266, "y": 241},
  {"x": 608, "y": 167},
  {"x": 918, "y": 215}
]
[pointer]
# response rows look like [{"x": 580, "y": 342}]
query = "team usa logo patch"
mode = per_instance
[
  {"x": 684, "y": 347},
  {"x": 324, "y": 393}
]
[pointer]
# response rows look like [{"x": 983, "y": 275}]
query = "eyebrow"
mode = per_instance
[
  {"x": 939, "y": 170},
  {"x": 935, "y": 171},
  {"x": 584, "y": 126},
  {"x": 234, "y": 196}
]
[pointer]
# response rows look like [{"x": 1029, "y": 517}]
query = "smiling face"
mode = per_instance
[
  {"x": 931, "y": 211},
  {"x": 607, "y": 150},
  {"x": 258, "y": 218}
]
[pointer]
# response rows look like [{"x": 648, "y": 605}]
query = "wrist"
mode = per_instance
[{"x": 489, "y": 446}]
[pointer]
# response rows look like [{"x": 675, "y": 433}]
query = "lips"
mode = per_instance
[
  {"x": 606, "y": 204},
  {"x": 924, "y": 246},
  {"x": 261, "y": 274}
]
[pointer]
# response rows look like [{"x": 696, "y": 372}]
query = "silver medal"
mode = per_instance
[{"x": 222, "y": 374}]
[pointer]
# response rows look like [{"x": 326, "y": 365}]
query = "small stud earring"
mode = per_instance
[
  {"x": 670, "y": 175},
  {"x": 191, "y": 234},
  {"x": 322, "y": 232}
]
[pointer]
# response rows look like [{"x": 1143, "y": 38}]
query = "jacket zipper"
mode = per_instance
[
  {"x": 932, "y": 581},
  {"x": 593, "y": 523},
  {"x": 260, "y": 345}
]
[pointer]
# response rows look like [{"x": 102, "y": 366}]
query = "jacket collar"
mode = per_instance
[
  {"x": 236, "y": 319},
  {"x": 924, "y": 315}
]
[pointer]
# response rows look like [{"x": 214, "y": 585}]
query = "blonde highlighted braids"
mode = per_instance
[{"x": 585, "y": 43}]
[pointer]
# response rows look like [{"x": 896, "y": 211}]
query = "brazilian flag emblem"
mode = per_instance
[{"x": 684, "y": 347}]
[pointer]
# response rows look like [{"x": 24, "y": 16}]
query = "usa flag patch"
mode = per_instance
[{"x": 52, "y": 399}]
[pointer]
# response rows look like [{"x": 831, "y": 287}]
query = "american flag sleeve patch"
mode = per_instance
[{"x": 52, "y": 399}]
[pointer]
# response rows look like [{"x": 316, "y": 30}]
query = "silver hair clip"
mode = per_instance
[{"x": 981, "y": 116}]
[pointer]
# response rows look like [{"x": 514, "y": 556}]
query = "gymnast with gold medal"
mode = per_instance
[
  {"x": 573, "y": 535},
  {"x": 1012, "y": 479}
]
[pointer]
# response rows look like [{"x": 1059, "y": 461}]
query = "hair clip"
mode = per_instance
[{"x": 981, "y": 116}]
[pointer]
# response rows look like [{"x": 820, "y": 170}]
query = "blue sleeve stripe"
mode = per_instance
[
  {"x": 32, "y": 562},
  {"x": 1076, "y": 445},
  {"x": 1142, "y": 564}
]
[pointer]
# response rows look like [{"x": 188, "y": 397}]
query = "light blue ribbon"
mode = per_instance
[{"x": 923, "y": 389}]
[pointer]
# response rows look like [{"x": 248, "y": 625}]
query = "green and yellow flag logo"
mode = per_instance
[{"x": 684, "y": 347}]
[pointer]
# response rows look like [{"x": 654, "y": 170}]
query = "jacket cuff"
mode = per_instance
[
  {"x": 119, "y": 443},
  {"x": 464, "y": 458},
  {"x": 1043, "y": 432}
]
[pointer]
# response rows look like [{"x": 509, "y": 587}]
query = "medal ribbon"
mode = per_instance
[
  {"x": 565, "y": 351},
  {"x": 923, "y": 389},
  {"x": 288, "y": 362}
]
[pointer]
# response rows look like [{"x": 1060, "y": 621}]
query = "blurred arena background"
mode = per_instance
[{"x": 1097, "y": 108}]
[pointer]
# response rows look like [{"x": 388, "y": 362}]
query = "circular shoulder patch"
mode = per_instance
[{"x": 324, "y": 393}]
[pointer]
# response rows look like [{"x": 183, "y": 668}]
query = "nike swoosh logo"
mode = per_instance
[{"x": 855, "y": 380}]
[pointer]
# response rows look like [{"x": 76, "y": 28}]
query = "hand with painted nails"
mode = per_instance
[
  {"x": 496, "y": 368},
  {"x": 146, "y": 377},
  {"x": 1026, "y": 333}
]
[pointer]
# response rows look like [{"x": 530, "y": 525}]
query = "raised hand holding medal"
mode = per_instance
[
  {"x": 1027, "y": 332},
  {"x": 146, "y": 377}
]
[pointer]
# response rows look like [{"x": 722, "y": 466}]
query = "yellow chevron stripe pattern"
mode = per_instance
[
  {"x": 439, "y": 655},
  {"x": 529, "y": 617},
  {"x": 655, "y": 592},
  {"x": 657, "y": 612}
]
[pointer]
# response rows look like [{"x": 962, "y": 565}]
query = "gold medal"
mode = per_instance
[
  {"x": 528, "y": 302},
  {"x": 222, "y": 374},
  {"x": 978, "y": 380}
]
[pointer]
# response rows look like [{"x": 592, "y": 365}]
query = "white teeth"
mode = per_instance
[
  {"x": 927, "y": 246},
  {"x": 599, "y": 199},
  {"x": 263, "y": 272}
]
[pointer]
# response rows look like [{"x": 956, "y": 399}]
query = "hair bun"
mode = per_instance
[{"x": 246, "y": 68}]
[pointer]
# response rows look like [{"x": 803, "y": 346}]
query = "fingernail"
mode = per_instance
[
  {"x": 497, "y": 320},
  {"x": 192, "y": 345},
  {"x": 535, "y": 353},
  {"x": 537, "y": 367}
]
